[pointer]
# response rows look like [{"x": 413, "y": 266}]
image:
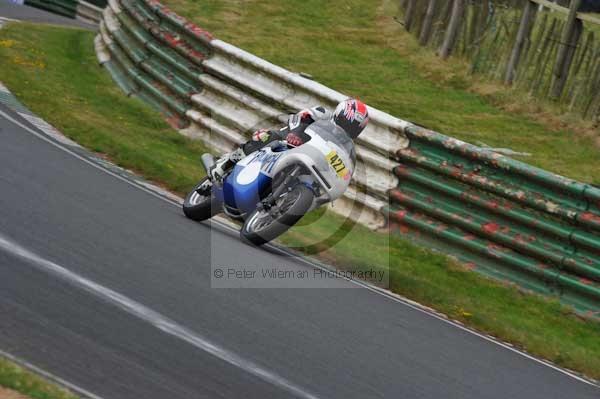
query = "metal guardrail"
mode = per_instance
[
  {"x": 511, "y": 220},
  {"x": 505, "y": 218},
  {"x": 88, "y": 11},
  {"x": 67, "y": 8}
]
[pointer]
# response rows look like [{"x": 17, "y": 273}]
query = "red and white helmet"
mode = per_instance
[{"x": 352, "y": 116}]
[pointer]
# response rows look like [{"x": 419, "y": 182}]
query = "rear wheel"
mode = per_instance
[
  {"x": 200, "y": 205},
  {"x": 263, "y": 225}
]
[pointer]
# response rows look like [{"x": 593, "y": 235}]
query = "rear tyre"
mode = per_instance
[
  {"x": 262, "y": 226},
  {"x": 201, "y": 206}
]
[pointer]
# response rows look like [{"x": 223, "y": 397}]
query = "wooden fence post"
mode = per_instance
[
  {"x": 483, "y": 18},
  {"x": 409, "y": 14},
  {"x": 427, "y": 23},
  {"x": 458, "y": 11},
  {"x": 570, "y": 37},
  {"x": 473, "y": 26},
  {"x": 525, "y": 27},
  {"x": 441, "y": 23}
]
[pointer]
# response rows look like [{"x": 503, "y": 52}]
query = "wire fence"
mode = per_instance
[{"x": 551, "y": 51}]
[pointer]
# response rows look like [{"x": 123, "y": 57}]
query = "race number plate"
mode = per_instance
[{"x": 337, "y": 164}]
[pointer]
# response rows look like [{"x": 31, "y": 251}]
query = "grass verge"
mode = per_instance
[
  {"x": 41, "y": 62},
  {"x": 24, "y": 382}
]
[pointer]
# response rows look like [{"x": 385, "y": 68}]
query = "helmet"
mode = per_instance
[{"x": 352, "y": 116}]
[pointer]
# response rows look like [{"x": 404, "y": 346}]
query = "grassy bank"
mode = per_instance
[
  {"x": 356, "y": 47},
  {"x": 39, "y": 62},
  {"x": 22, "y": 381}
]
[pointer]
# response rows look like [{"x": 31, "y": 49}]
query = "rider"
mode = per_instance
[{"x": 351, "y": 115}]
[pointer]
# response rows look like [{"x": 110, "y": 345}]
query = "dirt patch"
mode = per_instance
[{"x": 9, "y": 394}]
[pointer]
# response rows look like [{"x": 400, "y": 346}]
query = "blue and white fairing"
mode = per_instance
[
  {"x": 250, "y": 180},
  {"x": 328, "y": 157}
]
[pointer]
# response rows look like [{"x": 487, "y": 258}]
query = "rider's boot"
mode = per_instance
[{"x": 224, "y": 164}]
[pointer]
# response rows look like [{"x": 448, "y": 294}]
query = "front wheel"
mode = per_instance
[
  {"x": 200, "y": 205},
  {"x": 263, "y": 225}
]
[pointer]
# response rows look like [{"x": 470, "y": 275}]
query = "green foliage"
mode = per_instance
[{"x": 22, "y": 381}]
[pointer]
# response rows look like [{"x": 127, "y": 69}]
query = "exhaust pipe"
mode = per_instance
[{"x": 208, "y": 161}]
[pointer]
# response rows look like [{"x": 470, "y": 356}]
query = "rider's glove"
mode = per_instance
[
  {"x": 306, "y": 116},
  {"x": 294, "y": 140},
  {"x": 261, "y": 135}
]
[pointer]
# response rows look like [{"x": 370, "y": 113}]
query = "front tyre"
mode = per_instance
[
  {"x": 201, "y": 206},
  {"x": 262, "y": 226}
]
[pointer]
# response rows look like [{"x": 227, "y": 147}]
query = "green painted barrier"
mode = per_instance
[
  {"x": 148, "y": 53},
  {"x": 98, "y": 3},
  {"x": 67, "y": 8},
  {"x": 88, "y": 10},
  {"x": 533, "y": 227}
]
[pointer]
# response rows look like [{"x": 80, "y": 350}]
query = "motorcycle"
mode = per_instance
[{"x": 271, "y": 189}]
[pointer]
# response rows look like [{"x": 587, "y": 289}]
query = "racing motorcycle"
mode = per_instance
[{"x": 271, "y": 189}]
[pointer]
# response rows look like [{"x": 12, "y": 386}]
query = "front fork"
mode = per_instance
[
  {"x": 204, "y": 188},
  {"x": 271, "y": 200}
]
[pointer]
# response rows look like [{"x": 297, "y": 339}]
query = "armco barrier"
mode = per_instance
[
  {"x": 511, "y": 220},
  {"x": 67, "y": 8},
  {"x": 504, "y": 218},
  {"x": 88, "y": 11}
]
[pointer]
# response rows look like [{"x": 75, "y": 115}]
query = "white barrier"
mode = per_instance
[{"x": 89, "y": 13}]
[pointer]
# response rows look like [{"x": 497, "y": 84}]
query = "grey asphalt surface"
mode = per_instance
[
  {"x": 332, "y": 343},
  {"x": 26, "y": 13}
]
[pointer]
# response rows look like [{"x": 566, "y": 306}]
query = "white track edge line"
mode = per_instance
[
  {"x": 8, "y": 19},
  {"x": 51, "y": 377},
  {"x": 152, "y": 317}
]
